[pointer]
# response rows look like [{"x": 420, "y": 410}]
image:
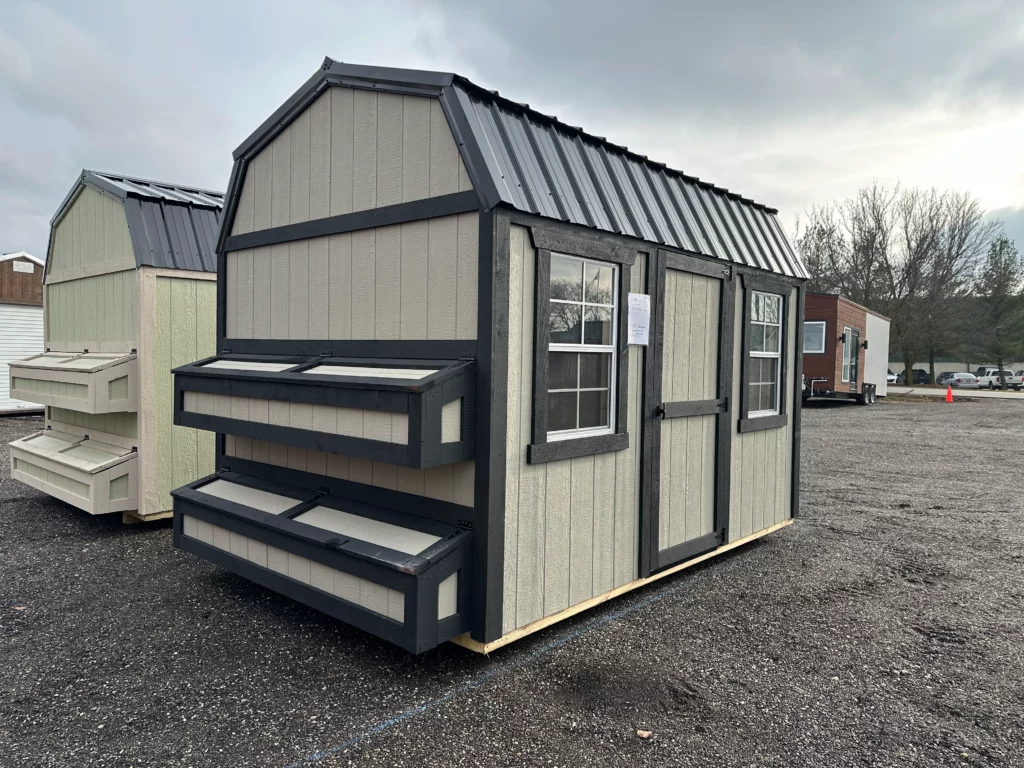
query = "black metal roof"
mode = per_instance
[
  {"x": 171, "y": 226},
  {"x": 535, "y": 163}
]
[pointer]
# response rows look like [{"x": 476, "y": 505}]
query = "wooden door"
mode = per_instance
[{"x": 693, "y": 357}]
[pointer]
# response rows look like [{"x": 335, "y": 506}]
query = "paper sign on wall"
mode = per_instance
[
  {"x": 24, "y": 266},
  {"x": 639, "y": 318}
]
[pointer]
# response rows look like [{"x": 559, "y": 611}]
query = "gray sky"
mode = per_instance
[{"x": 791, "y": 103}]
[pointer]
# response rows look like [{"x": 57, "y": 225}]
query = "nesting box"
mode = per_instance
[
  {"x": 478, "y": 370},
  {"x": 130, "y": 293}
]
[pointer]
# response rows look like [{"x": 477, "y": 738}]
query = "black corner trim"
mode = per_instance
[
  {"x": 574, "y": 448},
  {"x": 400, "y": 213}
]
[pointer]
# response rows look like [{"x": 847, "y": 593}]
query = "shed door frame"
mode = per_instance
[
  {"x": 854, "y": 354},
  {"x": 651, "y": 560}
]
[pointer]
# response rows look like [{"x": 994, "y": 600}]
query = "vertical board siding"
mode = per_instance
[
  {"x": 350, "y": 150},
  {"x": 186, "y": 312},
  {"x": 451, "y": 482},
  {"x": 123, "y": 423},
  {"x": 93, "y": 309},
  {"x": 687, "y": 480},
  {"x": 94, "y": 230},
  {"x": 571, "y": 527},
  {"x": 762, "y": 461},
  {"x": 407, "y": 281}
]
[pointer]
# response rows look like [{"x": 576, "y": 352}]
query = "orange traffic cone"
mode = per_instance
[{"x": 949, "y": 394}]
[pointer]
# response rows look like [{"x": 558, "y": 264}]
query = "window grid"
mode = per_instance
[
  {"x": 582, "y": 347},
  {"x": 765, "y": 352}
]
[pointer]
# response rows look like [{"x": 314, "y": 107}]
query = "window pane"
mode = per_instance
[
  {"x": 561, "y": 411},
  {"x": 756, "y": 338},
  {"x": 754, "y": 397},
  {"x": 598, "y": 327},
  {"x": 593, "y": 409},
  {"x": 814, "y": 337},
  {"x": 771, "y": 308},
  {"x": 756, "y": 307},
  {"x": 594, "y": 370},
  {"x": 771, "y": 338},
  {"x": 562, "y": 370},
  {"x": 599, "y": 284},
  {"x": 768, "y": 397},
  {"x": 566, "y": 279},
  {"x": 565, "y": 323},
  {"x": 769, "y": 370}
]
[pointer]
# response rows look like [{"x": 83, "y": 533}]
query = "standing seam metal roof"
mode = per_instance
[
  {"x": 537, "y": 164},
  {"x": 171, "y": 226}
]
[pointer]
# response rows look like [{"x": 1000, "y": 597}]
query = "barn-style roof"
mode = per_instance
[
  {"x": 171, "y": 226},
  {"x": 535, "y": 163}
]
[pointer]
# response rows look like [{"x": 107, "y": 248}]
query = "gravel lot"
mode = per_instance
[{"x": 883, "y": 629}]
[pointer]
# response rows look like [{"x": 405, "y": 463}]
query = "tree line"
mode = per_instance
[{"x": 949, "y": 279}]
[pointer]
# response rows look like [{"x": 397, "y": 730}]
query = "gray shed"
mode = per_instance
[
  {"x": 129, "y": 293},
  {"x": 479, "y": 370}
]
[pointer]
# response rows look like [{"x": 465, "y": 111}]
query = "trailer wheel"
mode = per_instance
[
  {"x": 873, "y": 395},
  {"x": 864, "y": 398}
]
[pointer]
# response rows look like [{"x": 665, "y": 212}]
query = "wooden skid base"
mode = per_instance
[
  {"x": 477, "y": 647},
  {"x": 134, "y": 517}
]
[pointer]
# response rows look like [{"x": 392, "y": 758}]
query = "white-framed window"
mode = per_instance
[
  {"x": 765, "y": 354},
  {"x": 581, "y": 347},
  {"x": 848, "y": 353},
  {"x": 814, "y": 337}
]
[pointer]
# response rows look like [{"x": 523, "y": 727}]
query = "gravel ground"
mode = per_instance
[{"x": 883, "y": 629}]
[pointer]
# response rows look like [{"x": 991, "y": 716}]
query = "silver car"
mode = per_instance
[{"x": 964, "y": 381}]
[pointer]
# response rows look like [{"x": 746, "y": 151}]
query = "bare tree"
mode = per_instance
[
  {"x": 907, "y": 252},
  {"x": 999, "y": 319}
]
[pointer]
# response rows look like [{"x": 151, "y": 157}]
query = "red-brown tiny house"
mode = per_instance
[{"x": 833, "y": 326}]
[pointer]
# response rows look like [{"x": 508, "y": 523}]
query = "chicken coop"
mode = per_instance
[
  {"x": 478, "y": 370},
  {"x": 129, "y": 293},
  {"x": 845, "y": 350}
]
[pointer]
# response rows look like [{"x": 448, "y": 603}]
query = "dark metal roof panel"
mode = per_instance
[{"x": 540, "y": 165}]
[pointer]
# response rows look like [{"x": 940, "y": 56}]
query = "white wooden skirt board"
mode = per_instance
[{"x": 92, "y": 475}]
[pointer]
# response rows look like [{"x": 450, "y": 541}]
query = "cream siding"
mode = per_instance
[
  {"x": 124, "y": 424},
  {"x": 93, "y": 231},
  {"x": 450, "y": 482},
  {"x": 353, "y": 150},
  {"x": 373, "y": 597},
  {"x": 761, "y": 490},
  {"x": 180, "y": 327},
  {"x": 352, "y": 422},
  {"x": 407, "y": 281},
  {"x": 571, "y": 527},
  {"x": 93, "y": 311}
]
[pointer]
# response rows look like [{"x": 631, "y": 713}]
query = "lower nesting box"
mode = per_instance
[
  {"x": 398, "y": 576},
  {"x": 89, "y": 474}
]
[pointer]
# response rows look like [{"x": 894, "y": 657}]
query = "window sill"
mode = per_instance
[
  {"x": 539, "y": 453},
  {"x": 758, "y": 423}
]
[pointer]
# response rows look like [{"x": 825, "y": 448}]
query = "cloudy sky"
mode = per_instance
[{"x": 793, "y": 105}]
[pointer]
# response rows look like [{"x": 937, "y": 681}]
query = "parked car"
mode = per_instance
[
  {"x": 890, "y": 377},
  {"x": 995, "y": 380},
  {"x": 964, "y": 381},
  {"x": 919, "y": 376},
  {"x": 945, "y": 377}
]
